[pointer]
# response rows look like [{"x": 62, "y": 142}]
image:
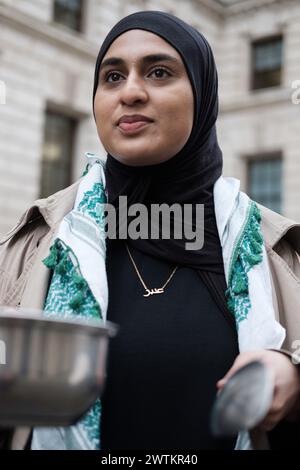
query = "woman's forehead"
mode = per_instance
[{"x": 137, "y": 42}]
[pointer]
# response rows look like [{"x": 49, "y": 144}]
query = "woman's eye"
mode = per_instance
[
  {"x": 159, "y": 71},
  {"x": 111, "y": 74}
]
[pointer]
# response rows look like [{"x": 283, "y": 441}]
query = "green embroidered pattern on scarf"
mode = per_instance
[
  {"x": 247, "y": 253},
  {"x": 91, "y": 204},
  {"x": 69, "y": 296},
  {"x": 86, "y": 170}
]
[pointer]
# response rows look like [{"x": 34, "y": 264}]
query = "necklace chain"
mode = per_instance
[{"x": 149, "y": 292}]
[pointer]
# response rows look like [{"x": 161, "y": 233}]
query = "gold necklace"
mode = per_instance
[{"x": 159, "y": 290}]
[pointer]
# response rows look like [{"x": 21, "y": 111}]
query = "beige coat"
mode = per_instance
[{"x": 24, "y": 279}]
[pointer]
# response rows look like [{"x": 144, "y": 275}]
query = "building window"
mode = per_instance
[
  {"x": 267, "y": 63},
  {"x": 265, "y": 181},
  {"x": 68, "y": 13},
  {"x": 57, "y": 153}
]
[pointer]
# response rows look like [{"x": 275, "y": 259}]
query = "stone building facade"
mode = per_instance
[{"x": 46, "y": 74}]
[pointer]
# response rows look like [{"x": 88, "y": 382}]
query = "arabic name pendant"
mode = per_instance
[{"x": 159, "y": 290}]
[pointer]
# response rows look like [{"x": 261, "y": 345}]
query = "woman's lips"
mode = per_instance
[{"x": 132, "y": 127}]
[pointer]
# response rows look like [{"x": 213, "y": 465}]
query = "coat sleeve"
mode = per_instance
[
  {"x": 17, "y": 255},
  {"x": 284, "y": 249},
  {"x": 289, "y": 255}
]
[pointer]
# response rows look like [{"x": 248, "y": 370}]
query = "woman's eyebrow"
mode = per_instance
[{"x": 148, "y": 59}]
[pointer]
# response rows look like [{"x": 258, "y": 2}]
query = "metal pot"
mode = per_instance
[{"x": 51, "y": 370}]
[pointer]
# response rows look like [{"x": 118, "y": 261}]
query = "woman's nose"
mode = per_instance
[{"x": 133, "y": 90}]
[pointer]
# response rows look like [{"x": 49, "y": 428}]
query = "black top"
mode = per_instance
[{"x": 164, "y": 363}]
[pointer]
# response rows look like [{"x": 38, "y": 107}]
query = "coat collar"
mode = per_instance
[
  {"x": 275, "y": 227},
  {"x": 51, "y": 210}
]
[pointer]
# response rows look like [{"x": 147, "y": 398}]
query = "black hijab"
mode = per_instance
[{"x": 189, "y": 176}]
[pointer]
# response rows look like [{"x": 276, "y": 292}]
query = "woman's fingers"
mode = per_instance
[{"x": 286, "y": 383}]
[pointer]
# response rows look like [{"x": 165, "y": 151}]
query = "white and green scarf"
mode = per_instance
[{"x": 79, "y": 283}]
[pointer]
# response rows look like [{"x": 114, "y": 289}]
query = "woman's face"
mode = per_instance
[{"x": 135, "y": 82}]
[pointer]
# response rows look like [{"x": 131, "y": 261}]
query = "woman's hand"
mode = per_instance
[{"x": 286, "y": 380}]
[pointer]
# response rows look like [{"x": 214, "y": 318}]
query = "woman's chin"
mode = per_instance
[{"x": 136, "y": 160}]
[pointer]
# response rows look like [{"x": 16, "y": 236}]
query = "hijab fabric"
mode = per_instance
[{"x": 189, "y": 176}]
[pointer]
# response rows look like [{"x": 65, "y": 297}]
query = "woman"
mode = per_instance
[{"x": 155, "y": 106}]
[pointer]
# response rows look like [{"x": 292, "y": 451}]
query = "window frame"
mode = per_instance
[
  {"x": 253, "y": 72},
  {"x": 82, "y": 20},
  {"x": 263, "y": 157},
  {"x": 70, "y": 164}
]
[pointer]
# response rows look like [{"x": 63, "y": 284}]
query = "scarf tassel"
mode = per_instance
[
  {"x": 59, "y": 261},
  {"x": 52, "y": 259}
]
